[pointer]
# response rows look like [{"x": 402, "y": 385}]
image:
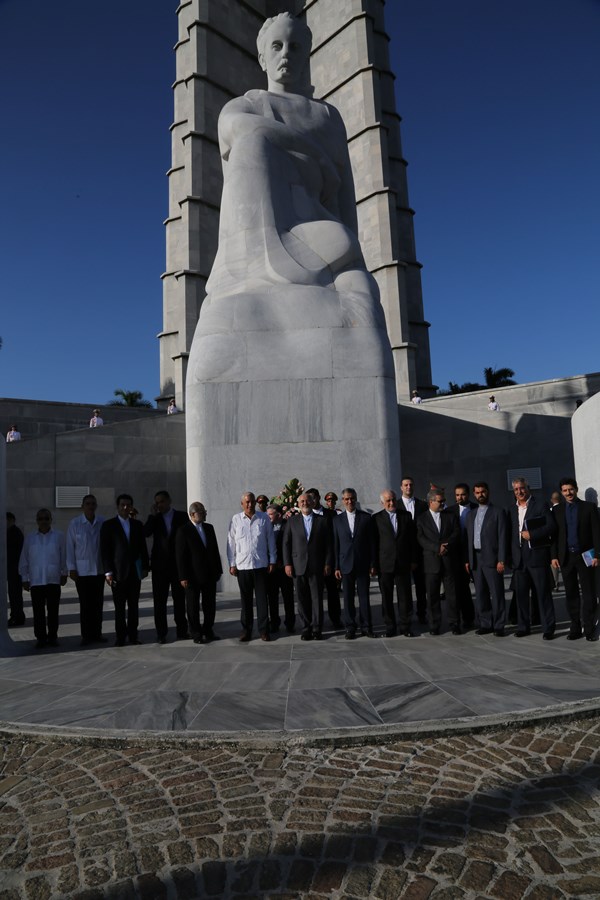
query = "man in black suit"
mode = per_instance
[
  {"x": 416, "y": 508},
  {"x": 578, "y": 531},
  {"x": 486, "y": 537},
  {"x": 199, "y": 567},
  {"x": 307, "y": 557},
  {"x": 531, "y": 530},
  {"x": 277, "y": 580},
  {"x": 125, "y": 563},
  {"x": 395, "y": 553},
  {"x": 464, "y": 599},
  {"x": 354, "y": 563},
  {"x": 438, "y": 533},
  {"x": 332, "y": 585},
  {"x": 14, "y": 545},
  {"x": 162, "y": 525}
]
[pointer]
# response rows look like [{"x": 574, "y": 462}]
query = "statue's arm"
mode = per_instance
[
  {"x": 346, "y": 194},
  {"x": 240, "y": 118}
]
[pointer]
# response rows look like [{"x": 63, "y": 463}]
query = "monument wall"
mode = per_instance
[
  {"x": 215, "y": 61},
  {"x": 586, "y": 441}
]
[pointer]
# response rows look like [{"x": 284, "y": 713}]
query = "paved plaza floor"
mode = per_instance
[{"x": 444, "y": 767}]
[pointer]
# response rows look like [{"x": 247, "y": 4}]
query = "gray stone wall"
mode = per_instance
[
  {"x": 586, "y": 448},
  {"x": 456, "y": 438},
  {"x": 35, "y": 418}
]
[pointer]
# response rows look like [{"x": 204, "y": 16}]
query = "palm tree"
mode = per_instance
[
  {"x": 495, "y": 378},
  {"x": 129, "y": 398}
]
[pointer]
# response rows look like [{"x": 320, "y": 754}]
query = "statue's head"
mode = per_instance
[{"x": 284, "y": 44}]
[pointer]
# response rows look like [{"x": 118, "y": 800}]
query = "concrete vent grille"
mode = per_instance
[
  {"x": 533, "y": 476},
  {"x": 69, "y": 496}
]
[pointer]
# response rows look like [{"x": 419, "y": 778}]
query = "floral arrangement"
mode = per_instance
[{"x": 287, "y": 499}]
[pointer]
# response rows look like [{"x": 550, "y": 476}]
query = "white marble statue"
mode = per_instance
[{"x": 290, "y": 371}]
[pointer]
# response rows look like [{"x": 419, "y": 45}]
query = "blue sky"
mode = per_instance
[{"x": 499, "y": 104}]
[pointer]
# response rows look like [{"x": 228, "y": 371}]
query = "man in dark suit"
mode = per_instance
[
  {"x": 277, "y": 580},
  {"x": 332, "y": 585},
  {"x": 486, "y": 538},
  {"x": 307, "y": 557},
  {"x": 199, "y": 567},
  {"x": 125, "y": 563},
  {"x": 438, "y": 533},
  {"x": 395, "y": 553},
  {"x": 162, "y": 525},
  {"x": 354, "y": 563},
  {"x": 578, "y": 530},
  {"x": 531, "y": 529},
  {"x": 464, "y": 599},
  {"x": 416, "y": 508},
  {"x": 14, "y": 545}
]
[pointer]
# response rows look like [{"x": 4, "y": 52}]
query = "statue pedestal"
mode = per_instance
[{"x": 292, "y": 381}]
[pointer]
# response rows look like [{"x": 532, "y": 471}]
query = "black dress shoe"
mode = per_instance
[
  {"x": 183, "y": 636},
  {"x": 456, "y": 630},
  {"x": 244, "y": 637},
  {"x": 523, "y": 632},
  {"x": 198, "y": 640},
  {"x": 435, "y": 631},
  {"x": 499, "y": 632},
  {"x": 15, "y": 623},
  {"x": 408, "y": 633},
  {"x": 265, "y": 636},
  {"x": 367, "y": 632},
  {"x": 211, "y": 636},
  {"x": 548, "y": 636},
  {"x": 306, "y": 635},
  {"x": 484, "y": 631},
  {"x": 161, "y": 640},
  {"x": 590, "y": 636},
  {"x": 350, "y": 635},
  {"x": 574, "y": 635},
  {"x": 317, "y": 636},
  {"x": 135, "y": 642},
  {"x": 391, "y": 632}
]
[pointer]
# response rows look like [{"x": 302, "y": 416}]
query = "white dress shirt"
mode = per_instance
[
  {"x": 96, "y": 421},
  {"x": 251, "y": 542},
  {"x": 83, "y": 546},
  {"x": 12, "y": 436},
  {"x": 437, "y": 518},
  {"x": 351, "y": 520},
  {"x": 43, "y": 558}
]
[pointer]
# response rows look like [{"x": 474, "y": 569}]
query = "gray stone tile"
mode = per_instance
[
  {"x": 198, "y": 676},
  {"x": 338, "y": 646},
  {"x": 23, "y": 701},
  {"x": 264, "y": 711},
  {"x": 159, "y": 711},
  {"x": 486, "y": 694},
  {"x": 429, "y": 663},
  {"x": 382, "y": 670},
  {"x": 257, "y": 676},
  {"x": 71, "y": 670},
  {"x": 308, "y": 674},
  {"x": 139, "y": 675},
  {"x": 85, "y": 708},
  {"x": 329, "y": 708},
  {"x": 417, "y": 702},
  {"x": 561, "y": 685}
]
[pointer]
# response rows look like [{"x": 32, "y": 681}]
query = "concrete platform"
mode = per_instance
[{"x": 289, "y": 688}]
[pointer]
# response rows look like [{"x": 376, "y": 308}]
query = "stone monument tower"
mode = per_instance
[{"x": 216, "y": 61}]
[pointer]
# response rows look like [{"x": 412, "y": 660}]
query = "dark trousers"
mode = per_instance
[
  {"x": 353, "y": 583},
  {"x": 254, "y": 582},
  {"x": 90, "y": 590},
  {"x": 45, "y": 599},
  {"x": 577, "y": 575},
  {"x": 309, "y": 596},
  {"x": 208, "y": 592},
  {"x": 464, "y": 599},
  {"x": 418, "y": 577},
  {"x": 433, "y": 583},
  {"x": 536, "y": 578},
  {"x": 279, "y": 581},
  {"x": 489, "y": 597},
  {"x": 334, "y": 609},
  {"x": 126, "y": 597},
  {"x": 15, "y": 598},
  {"x": 401, "y": 581},
  {"x": 161, "y": 582}
]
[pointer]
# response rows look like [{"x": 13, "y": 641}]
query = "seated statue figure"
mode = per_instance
[{"x": 288, "y": 211}]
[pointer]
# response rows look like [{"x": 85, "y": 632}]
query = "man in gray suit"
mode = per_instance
[
  {"x": 487, "y": 550},
  {"x": 307, "y": 557}
]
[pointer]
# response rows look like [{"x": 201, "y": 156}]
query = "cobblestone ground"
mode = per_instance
[{"x": 501, "y": 814}]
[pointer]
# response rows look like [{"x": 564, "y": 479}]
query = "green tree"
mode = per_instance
[
  {"x": 129, "y": 398},
  {"x": 495, "y": 378}
]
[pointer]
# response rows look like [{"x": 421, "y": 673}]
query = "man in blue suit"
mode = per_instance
[
  {"x": 487, "y": 551},
  {"x": 532, "y": 528},
  {"x": 354, "y": 562}
]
